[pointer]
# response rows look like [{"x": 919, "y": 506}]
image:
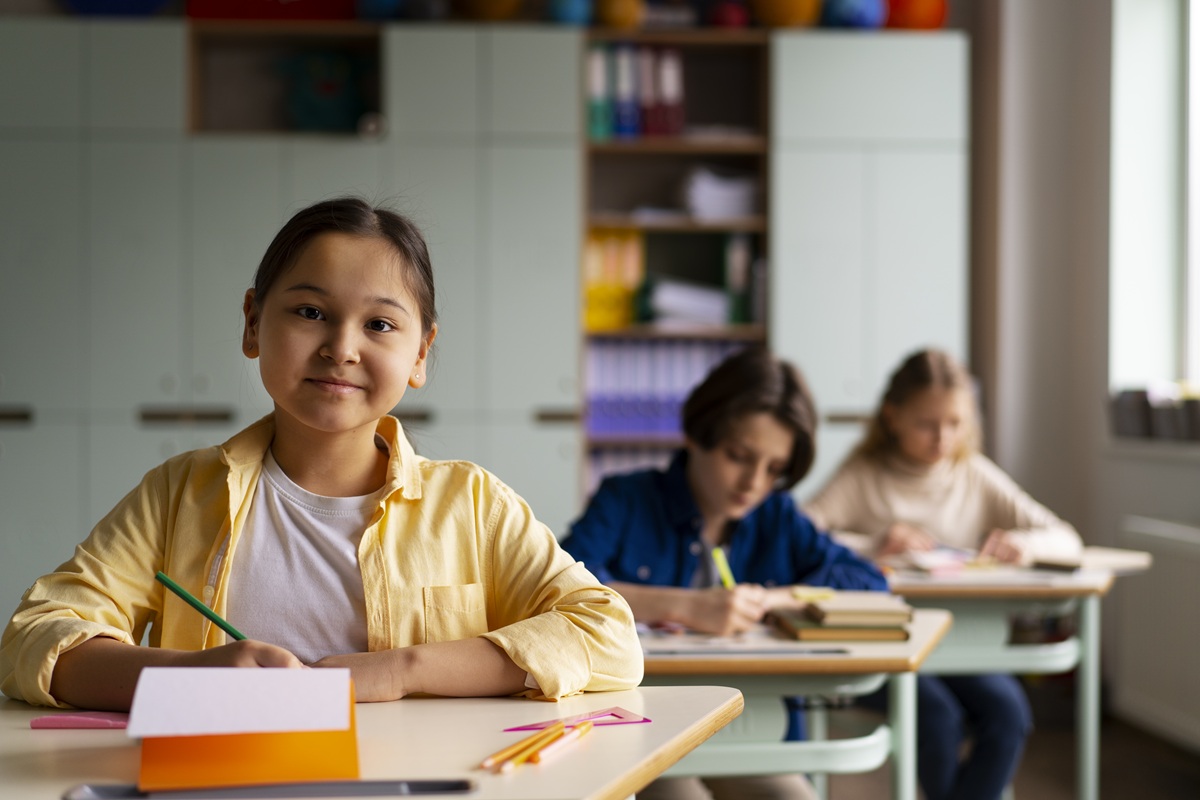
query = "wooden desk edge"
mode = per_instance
[
  {"x": 919, "y": 658},
  {"x": 632, "y": 782}
]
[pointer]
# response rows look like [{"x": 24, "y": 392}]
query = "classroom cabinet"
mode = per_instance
[
  {"x": 532, "y": 278},
  {"x": 41, "y": 74},
  {"x": 437, "y": 185},
  {"x": 121, "y": 450},
  {"x": 417, "y": 108},
  {"x": 868, "y": 214},
  {"x": 489, "y": 167},
  {"x": 136, "y": 75},
  {"x": 134, "y": 266},
  {"x": 235, "y": 202},
  {"x": 143, "y": 235},
  {"x": 43, "y": 475},
  {"x": 533, "y": 83},
  {"x": 43, "y": 303}
]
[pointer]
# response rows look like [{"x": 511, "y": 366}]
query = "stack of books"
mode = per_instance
[{"x": 849, "y": 617}]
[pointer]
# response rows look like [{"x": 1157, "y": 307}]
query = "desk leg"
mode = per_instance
[
  {"x": 817, "y": 722},
  {"x": 902, "y": 713},
  {"x": 1087, "y": 699}
]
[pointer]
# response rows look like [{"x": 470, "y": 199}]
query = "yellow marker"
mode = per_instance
[
  {"x": 718, "y": 557},
  {"x": 811, "y": 594}
]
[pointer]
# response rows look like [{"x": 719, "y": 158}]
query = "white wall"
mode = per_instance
[{"x": 1043, "y": 279}]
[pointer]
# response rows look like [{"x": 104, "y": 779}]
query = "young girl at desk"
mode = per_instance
[
  {"x": 918, "y": 481},
  {"x": 317, "y": 531},
  {"x": 748, "y": 432}
]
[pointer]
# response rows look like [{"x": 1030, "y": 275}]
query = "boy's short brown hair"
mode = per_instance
[{"x": 748, "y": 382}]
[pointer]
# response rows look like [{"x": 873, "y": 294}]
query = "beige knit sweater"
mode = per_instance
[{"x": 958, "y": 503}]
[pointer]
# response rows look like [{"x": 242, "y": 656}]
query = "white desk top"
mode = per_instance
[
  {"x": 422, "y": 738},
  {"x": 1099, "y": 565},
  {"x": 763, "y": 652},
  {"x": 1000, "y": 582}
]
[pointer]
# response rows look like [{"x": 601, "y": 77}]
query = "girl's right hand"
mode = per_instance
[
  {"x": 900, "y": 537},
  {"x": 246, "y": 653},
  {"x": 725, "y": 612}
]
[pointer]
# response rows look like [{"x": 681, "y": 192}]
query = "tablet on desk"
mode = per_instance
[{"x": 119, "y": 791}]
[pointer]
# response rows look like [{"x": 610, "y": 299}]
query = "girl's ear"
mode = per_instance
[
  {"x": 419, "y": 375},
  {"x": 250, "y": 332}
]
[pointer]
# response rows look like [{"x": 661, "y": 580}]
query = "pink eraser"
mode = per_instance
[{"x": 82, "y": 719}]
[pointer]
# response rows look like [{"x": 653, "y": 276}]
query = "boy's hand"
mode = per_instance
[{"x": 725, "y": 612}]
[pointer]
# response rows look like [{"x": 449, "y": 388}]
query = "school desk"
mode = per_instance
[
  {"x": 984, "y": 601},
  {"x": 423, "y": 738},
  {"x": 767, "y": 667}
]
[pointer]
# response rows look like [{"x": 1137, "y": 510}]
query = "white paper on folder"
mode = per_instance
[{"x": 197, "y": 701}]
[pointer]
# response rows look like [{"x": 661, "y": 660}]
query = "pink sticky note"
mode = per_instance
[
  {"x": 82, "y": 719},
  {"x": 605, "y": 716}
]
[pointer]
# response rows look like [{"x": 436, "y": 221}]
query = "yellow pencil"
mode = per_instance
[
  {"x": 534, "y": 740},
  {"x": 718, "y": 556},
  {"x": 562, "y": 741}
]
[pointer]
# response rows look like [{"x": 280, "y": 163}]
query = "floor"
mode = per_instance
[{"x": 1133, "y": 764}]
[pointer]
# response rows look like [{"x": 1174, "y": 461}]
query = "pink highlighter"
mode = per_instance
[{"x": 82, "y": 719}]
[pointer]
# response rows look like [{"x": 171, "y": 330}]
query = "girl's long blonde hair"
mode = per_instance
[{"x": 924, "y": 369}]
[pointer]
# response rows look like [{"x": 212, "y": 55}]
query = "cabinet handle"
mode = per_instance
[
  {"x": 16, "y": 415},
  {"x": 413, "y": 415},
  {"x": 847, "y": 418},
  {"x": 157, "y": 415},
  {"x": 556, "y": 415}
]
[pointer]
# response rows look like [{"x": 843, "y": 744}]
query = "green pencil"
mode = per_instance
[{"x": 196, "y": 604}]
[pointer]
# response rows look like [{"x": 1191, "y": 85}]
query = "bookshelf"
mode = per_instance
[{"x": 676, "y": 232}]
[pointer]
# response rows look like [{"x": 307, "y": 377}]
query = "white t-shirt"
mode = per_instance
[{"x": 295, "y": 578}]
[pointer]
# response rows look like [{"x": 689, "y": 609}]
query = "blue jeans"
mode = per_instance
[{"x": 991, "y": 711}]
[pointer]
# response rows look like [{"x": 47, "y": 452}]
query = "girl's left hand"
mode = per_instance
[{"x": 1002, "y": 546}]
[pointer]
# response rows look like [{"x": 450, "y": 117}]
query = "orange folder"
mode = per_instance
[{"x": 209, "y": 760}]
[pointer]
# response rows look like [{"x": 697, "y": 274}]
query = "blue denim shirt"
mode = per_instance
[{"x": 644, "y": 527}]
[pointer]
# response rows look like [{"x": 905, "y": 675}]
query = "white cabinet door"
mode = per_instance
[
  {"x": 918, "y": 217},
  {"x": 532, "y": 280},
  {"x": 42, "y": 303},
  {"x": 321, "y": 168},
  {"x": 541, "y": 462},
  {"x": 834, "y": 442},
  {"x": 533, "y": 81},
  {"x": 235, "y": 206},
  {"x": 818, "y": 294},
  {"x": 868, "y": 213},
  {"x": 417, "y": 106},
  {"x": 136, "y": 73},
  {"x": 121, "y": 452},
  {"x": 449, "y": 437},
  {"x": 42, "y": 474},
  {"x": 41, "y": 75},
  {"x": 139, "y": 315},
  {"x": 438, "y": 188},
  {"x": 833, "y": 86}
]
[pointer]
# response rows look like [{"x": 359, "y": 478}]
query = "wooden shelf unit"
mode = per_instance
[
  {"x": 252, "y": 55},
  {"x": 636, "y": 376}
]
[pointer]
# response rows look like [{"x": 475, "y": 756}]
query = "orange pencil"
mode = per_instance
[
  {"x": 562, "y": 741},
  {"x": 535, "y": 740}
]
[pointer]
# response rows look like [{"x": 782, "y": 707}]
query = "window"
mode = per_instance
[{"x": 1150, "y": 294}]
